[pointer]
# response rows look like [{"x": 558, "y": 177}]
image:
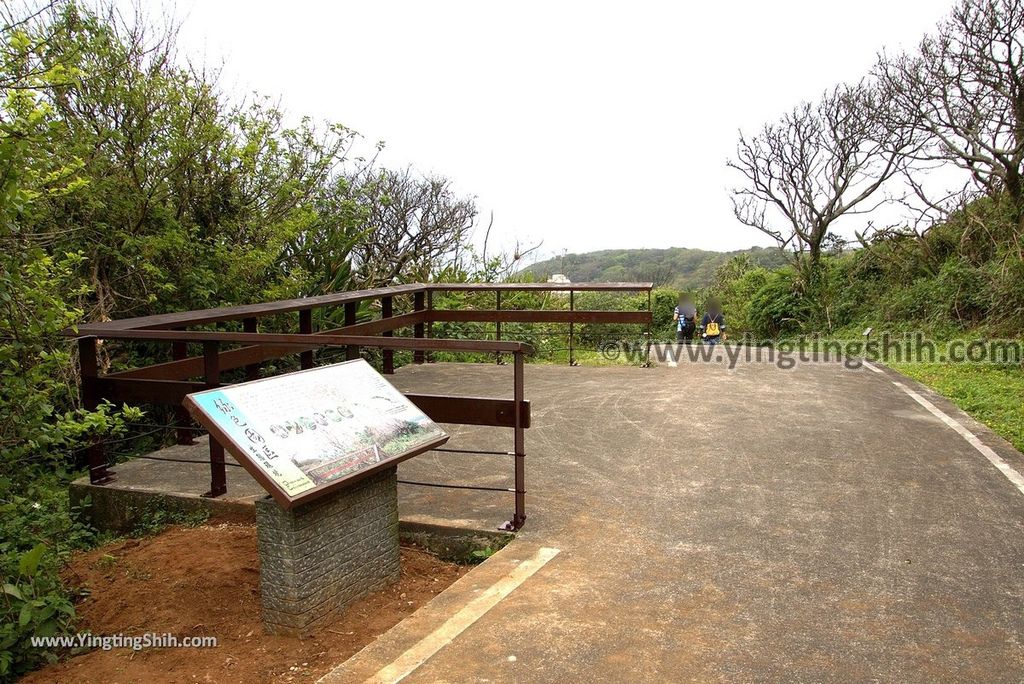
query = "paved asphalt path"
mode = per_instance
[{"x": 744, "y": 524}]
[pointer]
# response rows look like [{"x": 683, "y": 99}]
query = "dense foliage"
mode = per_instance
[
  {"x": 130, "y": 185},
  {"x": 676, "y": 267},
  {"x": 966, "y": 275}
]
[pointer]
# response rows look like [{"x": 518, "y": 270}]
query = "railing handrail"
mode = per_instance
[
  {"x": 229, "y": 313},
  {"x": 310, "y": 340},
  {"x": 544, "y": 287},
  {"x": 258, "y": 310}
]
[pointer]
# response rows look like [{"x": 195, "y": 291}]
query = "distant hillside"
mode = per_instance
[{"x": 676, "y": 266}]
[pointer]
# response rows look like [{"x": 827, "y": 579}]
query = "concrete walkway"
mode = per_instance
[{"x": 812, "y": 524}]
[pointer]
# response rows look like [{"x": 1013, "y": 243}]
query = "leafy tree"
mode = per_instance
[{"x": 38, "y": 417}]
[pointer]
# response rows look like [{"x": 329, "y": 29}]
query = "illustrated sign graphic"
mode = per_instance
[{"x": 306, "y": 433}]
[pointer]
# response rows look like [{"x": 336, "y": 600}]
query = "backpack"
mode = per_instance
[
  {"x": 685, "y": 321},
  {"x": 712, "y": 329}
]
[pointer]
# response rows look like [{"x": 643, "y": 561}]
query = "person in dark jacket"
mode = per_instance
[{"x": 685, "y": 317}]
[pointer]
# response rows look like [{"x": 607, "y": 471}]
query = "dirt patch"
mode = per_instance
[{"x": 205, "y": 582}]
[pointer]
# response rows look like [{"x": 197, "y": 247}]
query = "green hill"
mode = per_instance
[{"x": 676, "y": 266}]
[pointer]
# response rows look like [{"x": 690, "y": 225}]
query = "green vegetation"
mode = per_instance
[
  {"x": 963, "y": 277},
  {"x": 37, "y": 532},
  {"x": 157, "y": 515},
  {"x": 131, "y": 185},
  {"x": 677, "y": 267},
  {"x": 466, "y": 548}
]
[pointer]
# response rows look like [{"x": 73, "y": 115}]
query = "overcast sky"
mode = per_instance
[{"x": 586, "y": 125}]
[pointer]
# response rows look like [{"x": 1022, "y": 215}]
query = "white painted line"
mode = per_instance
[
  {"x": 995, "y": 459},
  {"x": 429, "y": 645},
  {"x": 872, "y": 367}
]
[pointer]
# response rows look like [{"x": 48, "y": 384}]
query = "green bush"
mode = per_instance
[
  {"x": 38, "y": 531},
  {"x": 34, "y": 605},
  {"x": 737, "y": 290},
  {"x": 962, "y": 293},
  {"x": 1007, "y": 309},
  {"x": 778, "y": 308},
  {"x": 663, "y": 305}
]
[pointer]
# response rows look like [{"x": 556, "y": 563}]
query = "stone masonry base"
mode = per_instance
[{"x": 318, "y": 558}]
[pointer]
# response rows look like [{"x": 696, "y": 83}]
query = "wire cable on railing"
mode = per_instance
[
  {"x": 170, "y": 427},
  {"x": 184, "y": 460},
  {"x": 453, "y": 486},
  {"x": 474, "y": 451},
  {"x": 107, "y": 442}
]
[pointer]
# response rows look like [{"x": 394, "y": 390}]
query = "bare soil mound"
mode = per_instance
[{"x": 204, "y": 581}]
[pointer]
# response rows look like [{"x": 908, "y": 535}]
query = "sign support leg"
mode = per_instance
[{"x": 88, "y": 367}]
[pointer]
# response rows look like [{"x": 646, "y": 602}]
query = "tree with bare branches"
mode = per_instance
[
  {"x": 414, "y": 224},
  {"x": 819, "y": 162},
  {"x": 961, "y": 93}
]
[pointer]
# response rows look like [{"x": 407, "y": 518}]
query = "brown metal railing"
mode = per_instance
[{"x": 167, "y": 383}]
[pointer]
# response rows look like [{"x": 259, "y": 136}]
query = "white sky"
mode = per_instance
[{"x": 586, "y": 125}]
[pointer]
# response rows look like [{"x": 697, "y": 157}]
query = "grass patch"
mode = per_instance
[
  {"x": 586, "y": 357},
  {"x": 993, "y": 395},
  {"x": 157, "y": 515}
]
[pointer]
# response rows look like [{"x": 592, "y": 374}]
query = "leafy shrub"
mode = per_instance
[
  {"x": 778, "y": 308},
  {"x": 1008, "y": 294},
  {"x": 37, "y": 532},
  {"x": 962, "y": 292},
  {"x": 34, "y": 605},
  {"x": 663, "y": 304},
  {"x": 736, "y": 284}
]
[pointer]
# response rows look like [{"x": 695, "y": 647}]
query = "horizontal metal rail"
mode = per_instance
[
  {"x": 233, "y": 313},
  {"x": 536, "y": 316},
  {"x": 236, "y": 313},
  {"x": 479, "y": 488},
  {"x": 539, "y": 287},
  {"x": 308, "y": 340}
]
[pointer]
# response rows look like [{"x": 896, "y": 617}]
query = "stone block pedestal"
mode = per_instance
[{"x": 317, "y": 559}]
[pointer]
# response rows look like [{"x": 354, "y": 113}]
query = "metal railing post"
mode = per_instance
[
  {"x": 497, "y": 325},
  {"x": 182, "y": 420},
  {"x": 429, "y": 355},
  {"x": 89, "y": 369},
  {"x": 211, "y": 371},
  {"x": 418, "y": 329},
  {"x": 252, "y": 371},
  {"x": 351, "y": 351},
  {"x": 650, "y": 322},
  {"x": 520, "y": 441},
  {"x": 519, "y": 454},
  {"x": 387, "y": 355},
  {"x": 572, "y": 308},
  {"x": 306, "y": 328}
]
